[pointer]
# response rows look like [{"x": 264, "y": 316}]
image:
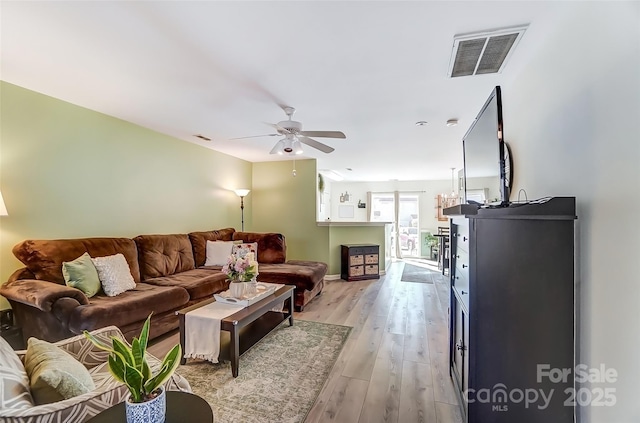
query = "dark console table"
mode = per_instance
[{"x": 512, "y": 308}]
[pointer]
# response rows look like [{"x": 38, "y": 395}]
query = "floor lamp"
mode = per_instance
[{"x": 242, "y": 193}]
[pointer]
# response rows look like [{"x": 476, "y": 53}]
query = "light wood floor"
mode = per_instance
[{"x": 393, "y": 368}]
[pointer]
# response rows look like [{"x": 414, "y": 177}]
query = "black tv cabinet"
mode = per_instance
[{"x": 512, "y": 309}]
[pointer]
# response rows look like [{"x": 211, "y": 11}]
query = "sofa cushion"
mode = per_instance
[
  {"x": 163, "y": 255},
  {"x": 114, "y": 274},
  {"x": 44, "y": 257},
  {"x": 302, "y": 274},
  {"x": 199, "y": 283},
  {"x": 54, "y": 374},
  {"x": 199, "y": 242},
  {"x": 129, "y": 307},
  {"x": 15, "y": 392},
  {"x": 81, "y": 273},
  {"x": 271, "y": 246}
]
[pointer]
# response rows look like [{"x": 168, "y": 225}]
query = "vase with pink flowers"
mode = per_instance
[{"x": 242, "y": 270}]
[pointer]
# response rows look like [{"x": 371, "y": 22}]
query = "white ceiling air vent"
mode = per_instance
[{"x": 484, "y": 52}]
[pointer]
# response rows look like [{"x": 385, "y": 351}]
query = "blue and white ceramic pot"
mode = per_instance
[{"x": 153, "y": 411}]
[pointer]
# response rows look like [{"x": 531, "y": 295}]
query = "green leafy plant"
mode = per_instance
[
  {"x": 432, "y": 241},
  {"x": 128, "y": 364}
]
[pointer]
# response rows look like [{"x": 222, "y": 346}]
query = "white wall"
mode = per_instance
[
  {"x": 324, "y": 202},
  {"x": 571, "y": 119},
  {"x": 426, "y": 191}
]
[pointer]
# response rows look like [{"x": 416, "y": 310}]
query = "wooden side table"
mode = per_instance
[{"x": 181, "y": 407}]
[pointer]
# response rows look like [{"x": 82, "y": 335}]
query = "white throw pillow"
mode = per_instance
[
  {"x": 114, "y": 274},
  {"x": 218, "y": 252}
]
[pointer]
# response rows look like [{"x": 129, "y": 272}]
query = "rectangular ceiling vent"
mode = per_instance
[{"x": 485, "y": 52}]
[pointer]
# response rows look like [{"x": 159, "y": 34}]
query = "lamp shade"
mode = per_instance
[
  {"x": 3, "y": 209},
  {"x": 242, "y": 192}
]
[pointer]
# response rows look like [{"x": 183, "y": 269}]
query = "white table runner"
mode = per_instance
[{"x": 202, "y": 330}]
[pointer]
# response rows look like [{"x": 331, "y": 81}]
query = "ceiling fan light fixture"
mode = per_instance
[
  {"x": 297, "y": 147},
  {"x": 287, "y": 145},
  {"x": 280, "y": 147}
]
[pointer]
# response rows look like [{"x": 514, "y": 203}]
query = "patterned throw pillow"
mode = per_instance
[
  {"x": 114, "y": 273},
  {"x": 54, "y": 374},
  {"x": 15, "y": 392},
  {"x": 218, "y": 252},
  {"x": 82, "y": 274},
  {"x": 243, "y": 249}
]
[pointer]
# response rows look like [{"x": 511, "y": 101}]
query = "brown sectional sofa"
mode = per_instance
[{"x": 168, "y": 270}]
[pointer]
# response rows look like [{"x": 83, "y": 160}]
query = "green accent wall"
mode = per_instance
[
  {"x": 70, "y": 172},
  {"x": 339, "y": 235},
  {"x": 287, "y": 204}
]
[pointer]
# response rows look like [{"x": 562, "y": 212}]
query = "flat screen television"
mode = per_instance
[{"x": 485, "y": 176}]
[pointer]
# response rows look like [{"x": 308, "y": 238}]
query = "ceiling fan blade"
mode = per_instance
[
  {"x": 315, "y": 144},
  {"x": 280, "y": 129},
  {"x": 324, "y": 134},
  {"x": 254, "y": 136}
]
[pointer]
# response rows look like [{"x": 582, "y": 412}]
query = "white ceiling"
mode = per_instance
[{"x": 368, "y": 68}]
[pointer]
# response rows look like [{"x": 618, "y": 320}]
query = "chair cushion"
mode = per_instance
[
  {"x": 14, "y": 380},
  {"x": 129, "y": 307},
  {"x": 82, "y": 274},
  {"x": 54, "y": 374}
]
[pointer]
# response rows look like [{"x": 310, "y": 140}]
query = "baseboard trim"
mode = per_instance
[{"x": 337, "y": 277}]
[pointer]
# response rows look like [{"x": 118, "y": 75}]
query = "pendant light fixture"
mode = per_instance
[{"x": 453, "y": 192}]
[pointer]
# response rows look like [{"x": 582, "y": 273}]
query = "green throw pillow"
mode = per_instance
[
  {"x": 54, "y": 375},
  {"x": 82, "y": 274}
]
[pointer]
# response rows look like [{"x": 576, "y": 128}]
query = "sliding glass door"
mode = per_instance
[{"x": 405, "y": 241}]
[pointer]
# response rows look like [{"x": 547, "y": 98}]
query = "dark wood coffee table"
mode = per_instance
[
  {"x": 247, "y": 326},
  {"x": 181, "y": 407}
]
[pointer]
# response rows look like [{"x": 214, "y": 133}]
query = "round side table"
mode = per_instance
[{"x": 181, "y": 407}]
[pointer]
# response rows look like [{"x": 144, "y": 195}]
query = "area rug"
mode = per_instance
[
  {"x": 279, "y": 378},
  {"x": 418, "y": 274}
]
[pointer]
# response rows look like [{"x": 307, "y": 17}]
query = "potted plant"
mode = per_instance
[
  {"x": 128, "y": 364},
  {"x": 241, "y": 268},
  {"x": 432, "y": 243}
]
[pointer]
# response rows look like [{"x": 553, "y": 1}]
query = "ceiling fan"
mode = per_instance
[{"x": 294, "y": 136}]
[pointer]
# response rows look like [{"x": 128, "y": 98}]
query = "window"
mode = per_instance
[{"x": 382, "y": 209}]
